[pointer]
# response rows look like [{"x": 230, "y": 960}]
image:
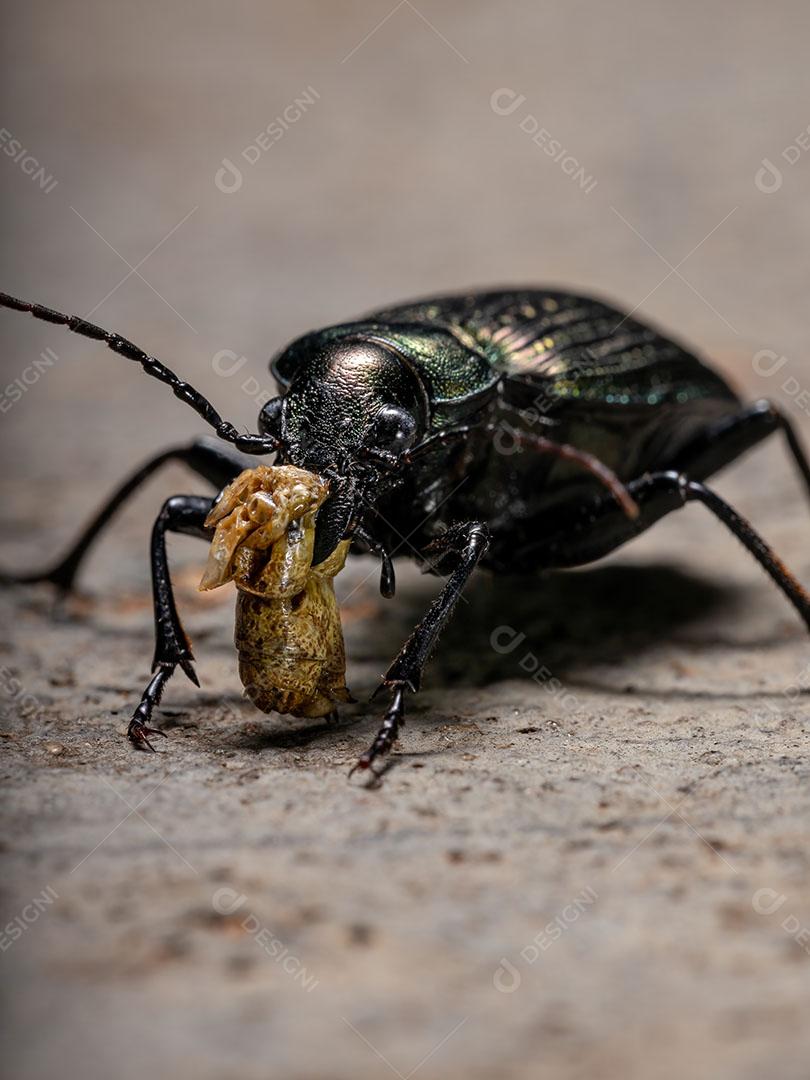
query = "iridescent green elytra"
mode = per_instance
[{"x": 580, "y": 348}]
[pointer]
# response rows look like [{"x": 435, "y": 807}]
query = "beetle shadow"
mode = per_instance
[{"x": 568, "y": 620}]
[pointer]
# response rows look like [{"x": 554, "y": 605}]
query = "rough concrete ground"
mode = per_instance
[
  {"x": 552, "y": 880},
  {"x": 603, "y": 877}
]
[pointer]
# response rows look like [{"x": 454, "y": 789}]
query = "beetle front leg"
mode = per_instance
[
  {"x": 180, "y": 514},
  {"x": 462, "y": 546}
]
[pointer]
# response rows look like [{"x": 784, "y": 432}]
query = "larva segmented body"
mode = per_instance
[{"x": 288, "y": 633}]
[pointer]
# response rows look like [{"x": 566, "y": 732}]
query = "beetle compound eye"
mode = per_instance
[
  {"x": 270, "y": 417},
  {"x": 393, "y": 430}
]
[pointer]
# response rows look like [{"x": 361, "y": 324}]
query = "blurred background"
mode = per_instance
[
  {"x": 376, "y": 164},
  {"x": 213, "y": 179}
]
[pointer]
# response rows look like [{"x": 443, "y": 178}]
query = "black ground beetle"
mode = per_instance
[{"x": 519, "y": 430}]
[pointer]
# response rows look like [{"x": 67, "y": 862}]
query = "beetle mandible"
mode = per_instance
[{"x": 515, "y": 429}]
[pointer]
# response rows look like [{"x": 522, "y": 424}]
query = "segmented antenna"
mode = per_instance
[{"x": 248, "y": 444}]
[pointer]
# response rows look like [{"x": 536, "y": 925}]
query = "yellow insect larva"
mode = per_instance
[{"x": 288, "y": 633}]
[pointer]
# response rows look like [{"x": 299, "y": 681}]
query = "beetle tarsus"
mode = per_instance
[
  {"x": 139, "y": 730},
  {"x": 386, "y": 736},
  {"x": 139, "y": 733}
]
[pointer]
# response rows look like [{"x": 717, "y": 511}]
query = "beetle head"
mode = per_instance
[{"x": 353, "y": 409}]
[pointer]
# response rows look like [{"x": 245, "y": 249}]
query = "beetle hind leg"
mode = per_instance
[
  {"x": 753, "y": 542},
  {"x": 600, "y": 528}
]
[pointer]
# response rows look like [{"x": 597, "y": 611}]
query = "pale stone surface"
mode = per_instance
[{"x": 645, "y": 806}]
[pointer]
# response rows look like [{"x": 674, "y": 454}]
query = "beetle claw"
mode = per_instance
[
  {"x": 139, "y": 735},
  {"x": 364, "y": 764}
]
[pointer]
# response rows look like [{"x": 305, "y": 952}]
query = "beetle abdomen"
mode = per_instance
[{"x": 291, "y": 654}]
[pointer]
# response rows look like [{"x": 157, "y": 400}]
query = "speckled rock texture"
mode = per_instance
[{"x": 590, "y": 854}]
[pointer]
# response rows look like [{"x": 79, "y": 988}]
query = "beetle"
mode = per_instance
[{"x": 519, "y": 430}]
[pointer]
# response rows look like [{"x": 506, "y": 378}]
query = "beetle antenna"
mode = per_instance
[{"x": 248, "y": 444}]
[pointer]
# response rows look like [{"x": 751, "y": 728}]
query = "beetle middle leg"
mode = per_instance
[
  {"x": 180, "y": 514},
  {"x": 462, "y": 548}
]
